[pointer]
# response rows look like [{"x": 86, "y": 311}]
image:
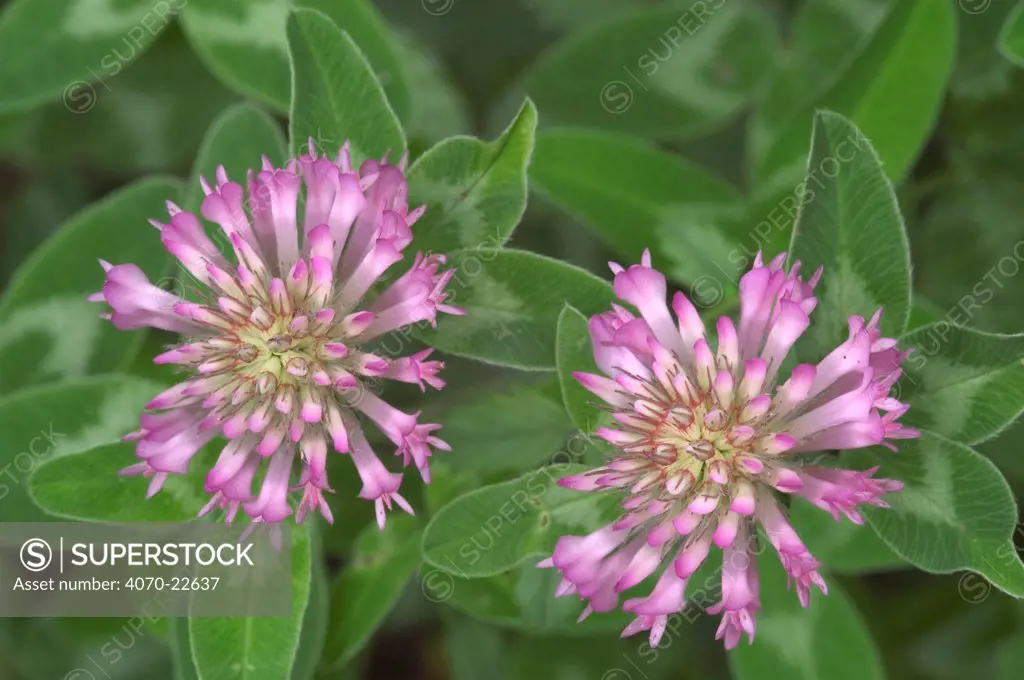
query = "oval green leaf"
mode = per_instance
[
  {"x": 512, "y": 300},
  {"x": 47, "y": 422},
  {"x": 55, "y": 47},
  {"x": 511, "y": 432},
  {"x": 963, "y": 384},
  {"x": 475, "y": 191},
  {"x": 335, "y": 92},
  {"x": 244, "y": 42},
  {"x": 498, "y": 527},
  {"x": 574, "y": 353},
  {"x": 48, "y": 331},
  {"x": 892, "y": 89},
  {"x": 633, "y": 194},
  {"x": 86, "y": 487},
  {"x": 955, "y": 511},
  {"x": 248, "y": 648},
  {"x": 851, "y": 224}
]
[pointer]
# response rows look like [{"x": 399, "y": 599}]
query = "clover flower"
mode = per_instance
[
  {"x": 276, "y": 347},
  {"x": 708, "y": 437}
]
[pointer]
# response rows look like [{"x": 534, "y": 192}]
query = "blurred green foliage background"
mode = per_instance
[{"x": 942, "y": 95}]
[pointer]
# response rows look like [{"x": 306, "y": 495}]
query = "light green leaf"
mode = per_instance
[
  {"x": 495, "y": 528},
  {"x": 237, "y": 139},
  {"x": 827, "y": 640},
  {"x": 633, "y": 194},
  {"x": 574, "y": 353},
  {"x": 1011, "y": 39},
  {"x": 51, "y": 48},
  {"x": 892, "y": 90},
  {"x": 504, "y": 432},
  {"x": 963, "y": 384},
  {"x": 852, "y": 227},
  {"x": 512, "y": 300},
  {"x": 245, "y": 43},
  {"x": 475, "y": 191},
  {"x": 46, "y": 422},
  {"x": 250, "y": 648},
  {"x": 842, "y": 546},
  {"x": 86, "y": 487},
  {"x": 369, "y": 586},
  {"x": 955, "y": 512},
  {"x": 660, "y": 72},
  {"x": 335, "y": 92},
  {"x": 48, "y": 331}
]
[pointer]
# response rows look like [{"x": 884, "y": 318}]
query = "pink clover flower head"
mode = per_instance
[
  {"x": 275, "y": 351},
  {"x": 708, "y": 436}
]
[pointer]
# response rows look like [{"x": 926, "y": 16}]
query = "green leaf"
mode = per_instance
[
  {"x": 151, "y": 119},
  {"x": 504, "y": 432},
  {"x": 852, "y": 226},
  {"x": 46, "y": 422},
  {"x": 521, "y": 599},
  {"x": 369, "y": 586},
  {"x": 55, "y": 47},
  {"x": 86, "y": 487},
  {"x": 335, "y": 91},
  {"x": 264, "y": 648},
  {"x": 245, "y": 43},
  {"x": 955, "y": 511},
  {"x": 181, "y": 651},
  {"x": 237, "y": 139},
  {"x": 475, "y": 191},
  {"x": 892, "y": 90},
  {"x": 827, "y": 640},
  {"x": 573, "y": 354},
  {"x": 633, "y": 194},
  {"x": 1010, "y": 658},
  {"x": 512, "y": 300},
  {"x": 314, "y": 623},
  {"x": 659, "y": 72},
  {"x": 842, "y": 546},
  {"x": 495, "y": 528},
  {"x": 1011, "y": 38},
  {"x": 963, "y": 384},
  {"x": 48, "y": 331}
]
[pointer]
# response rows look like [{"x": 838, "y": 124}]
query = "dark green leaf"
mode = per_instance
[
  {"x": 659, "y": 72},
  {"x": 574, "y": 353},
  {"x": 369, "y": 586},
  {"x": 1011, "y": 40},
  {"x": 827, "y": 640}
]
